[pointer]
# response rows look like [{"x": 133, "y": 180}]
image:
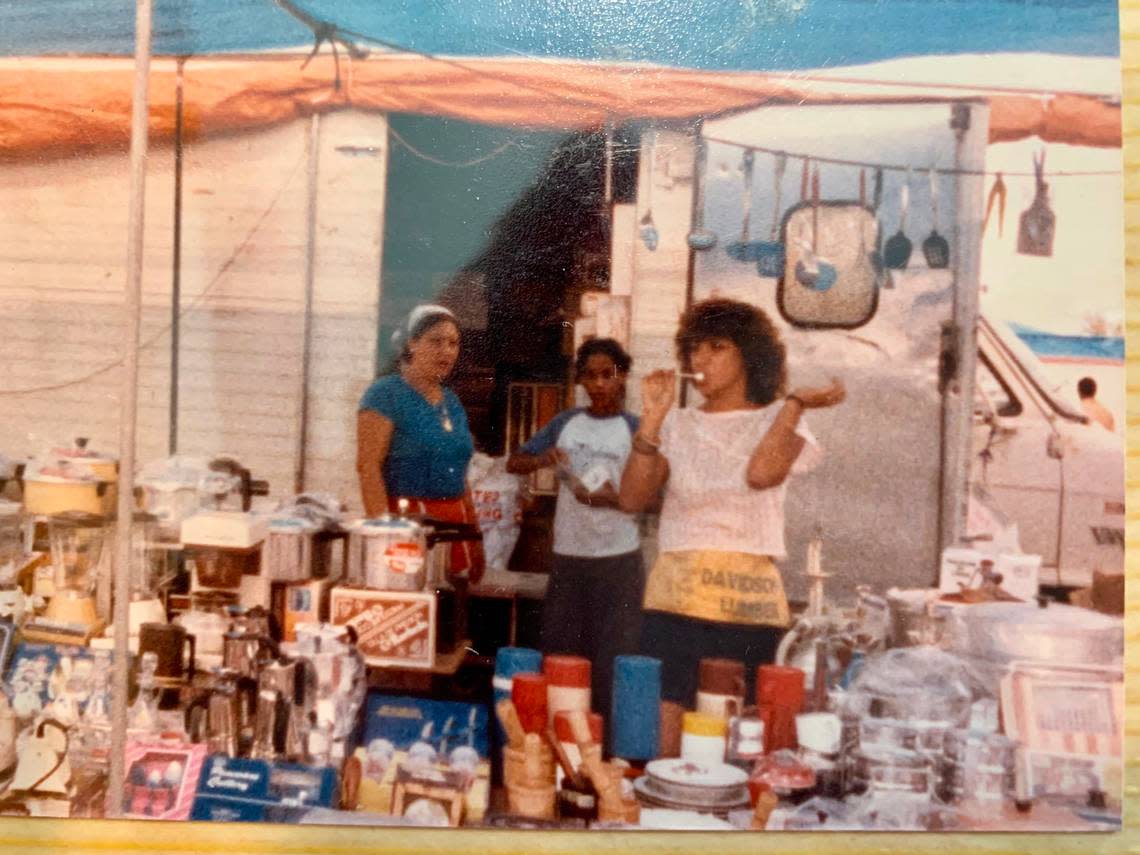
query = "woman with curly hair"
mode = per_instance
[{"x": 714, "y": 590}]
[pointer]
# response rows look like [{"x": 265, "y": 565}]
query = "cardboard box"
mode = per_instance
[
  {"x": 162, "y": 779},
  {"x": 392, "y": 728},
  {"x": 960, "y": 567},
  {"x": 243, "y": 790},
  {"x": 393, "y": 628}
]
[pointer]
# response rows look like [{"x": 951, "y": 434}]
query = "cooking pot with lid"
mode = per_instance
[{"x": 1055, "y": 633}]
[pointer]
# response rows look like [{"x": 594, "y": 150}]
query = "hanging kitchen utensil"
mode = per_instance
[
  {"x": 701, "y": 238},
  {"x": 744, "y": 249},
  {"x": 876, "y": 254},
  {"x": 1035, "y": 234},
  {"x": 811, "y": 270},
  {"x": 647, "y": 230},
  {"x": 770, "y": 255},
  {"x": 896, "y": 254},
  {"x": 935, "y": 248},
  {"x": 998, "y": 193}
]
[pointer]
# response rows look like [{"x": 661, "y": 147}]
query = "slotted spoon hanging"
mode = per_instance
[
  {"x": 896, "y": 253},
  {"x": 935, "y": 248}
]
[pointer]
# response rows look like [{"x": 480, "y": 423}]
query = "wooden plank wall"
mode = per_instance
[{"x": 62, "y": 253}]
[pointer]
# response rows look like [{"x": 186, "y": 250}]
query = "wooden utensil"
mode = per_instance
[{"x": 509, "y": 719}]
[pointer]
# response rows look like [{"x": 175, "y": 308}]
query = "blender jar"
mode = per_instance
[
  {"x": 11, "y": 539},
  {"x": 77, "y": 540}
]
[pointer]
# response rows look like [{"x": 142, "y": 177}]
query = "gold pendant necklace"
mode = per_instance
[{"x": 444, "y": 415}]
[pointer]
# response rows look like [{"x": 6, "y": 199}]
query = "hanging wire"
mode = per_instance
[
  {"x": 194, "y": 304},
  {"x": 897, "y": 167},
  {"x": 458, "y": 164}
]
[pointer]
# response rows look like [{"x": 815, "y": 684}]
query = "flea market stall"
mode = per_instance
[{"x": 269, "y": 634}]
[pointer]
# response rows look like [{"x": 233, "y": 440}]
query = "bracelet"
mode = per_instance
[
  {"x": 644, "y": 445},
  {"x": 797, "y": 399}
]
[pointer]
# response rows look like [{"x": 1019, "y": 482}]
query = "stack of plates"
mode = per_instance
[{"x": 687, "y": 785}]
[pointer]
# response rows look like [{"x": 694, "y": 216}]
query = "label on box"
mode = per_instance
[
  {"x": 403, "y": 721},
  {"x": 959, "y": 570},
  {"x": 1019, "y": 574},
  {"x": 264, "y": 783},
  {"x": 392, "y": 627}
]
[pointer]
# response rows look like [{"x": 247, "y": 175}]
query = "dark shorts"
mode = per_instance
[{"x": 682, "y": 642}]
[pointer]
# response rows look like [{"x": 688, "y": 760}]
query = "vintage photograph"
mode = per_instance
[{"x": 520, "y": 415}]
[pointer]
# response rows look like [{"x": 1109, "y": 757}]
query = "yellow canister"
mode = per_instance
[{"x": 57, "y": 495}]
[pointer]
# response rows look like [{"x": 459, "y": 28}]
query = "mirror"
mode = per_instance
[{"x": 832, "y": 268}]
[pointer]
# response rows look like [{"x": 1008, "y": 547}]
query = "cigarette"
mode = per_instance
[{"x": 695, "y": 376}]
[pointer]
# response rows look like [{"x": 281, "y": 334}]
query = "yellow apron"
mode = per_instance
[{"x": 726, "y": 587}]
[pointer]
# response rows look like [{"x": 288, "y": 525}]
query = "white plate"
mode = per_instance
[
  {"x": 662, "y": 818},
  {"x": 646, "y": 794},
  {"x": 677, "y": 770}
]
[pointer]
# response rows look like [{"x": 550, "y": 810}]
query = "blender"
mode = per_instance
[
  {"x": 77, "y": 539},
  {"x": 13, "y": 601},
  {"x": 149, "y": 572}
]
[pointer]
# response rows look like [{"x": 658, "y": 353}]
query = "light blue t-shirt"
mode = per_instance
[
  {"x": 425, "y": 461},
  {"x": 597, "y": 449}
]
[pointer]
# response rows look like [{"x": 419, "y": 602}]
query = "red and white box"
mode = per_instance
[
  {"x": 161, "y": 779},
  {"x": 393, "y": 628}
]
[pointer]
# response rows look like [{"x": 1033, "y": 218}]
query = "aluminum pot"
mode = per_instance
[
  {"x": 1057, "y": 634},
  {"x": 915, "y": 617}
]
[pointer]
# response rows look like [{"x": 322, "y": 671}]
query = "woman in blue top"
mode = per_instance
[
  {"x": 412, "y": 439},
  {"x": 592, "y": 605}
]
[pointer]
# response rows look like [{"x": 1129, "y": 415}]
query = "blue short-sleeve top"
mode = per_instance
[{"x": 425, "y": 460}]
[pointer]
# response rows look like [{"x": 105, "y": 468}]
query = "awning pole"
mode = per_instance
[
  {"x": 313, "y": 150},
  {"x": 129, "y": 404}
]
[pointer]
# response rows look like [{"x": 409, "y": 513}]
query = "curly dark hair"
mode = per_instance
[
  {"x": 607, "y": 347},
  {"x": 751, "y": 330}
]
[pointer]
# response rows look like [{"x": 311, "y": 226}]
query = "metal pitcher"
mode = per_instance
[{"x": 219, "y": 717}]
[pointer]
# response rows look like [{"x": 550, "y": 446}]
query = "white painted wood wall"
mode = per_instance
[{"x": 62, "y": 254}]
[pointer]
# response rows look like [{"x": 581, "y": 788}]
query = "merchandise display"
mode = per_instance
[{"x": 920, "y": 708}]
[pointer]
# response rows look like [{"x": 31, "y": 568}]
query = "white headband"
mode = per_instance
[{"x": 415, "y": 316}]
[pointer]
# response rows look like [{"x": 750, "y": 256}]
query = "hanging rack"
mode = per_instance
[{"x": 896, "y": 167}]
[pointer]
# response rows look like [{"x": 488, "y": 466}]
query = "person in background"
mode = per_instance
[
  {"x": 412, "y": 439},
  {"x": 593, "y": 601},
  {"x": 1094, "y": 409},
  {"x": 714, "y": 590}
]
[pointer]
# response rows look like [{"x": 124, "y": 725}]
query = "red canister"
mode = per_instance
[
  {"x": 780, "y": 698},
  {"x": 528, "y": 691},
  {"x": 568, "y": 684}
]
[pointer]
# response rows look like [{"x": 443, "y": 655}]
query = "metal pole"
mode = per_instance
[
  {"x": 176, "y": 263},
  {"x": 314, "y": 155},
  {"x": 971, "y": 126},
  {"x": 129, "y": 405}
]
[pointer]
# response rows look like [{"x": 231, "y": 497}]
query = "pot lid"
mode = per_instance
[
  {"x": 291, "y": 525},
  {"x": 1053, "y": 618},
  {"x": 387, "y": 525},
  {"x": 80, "y": 450}
]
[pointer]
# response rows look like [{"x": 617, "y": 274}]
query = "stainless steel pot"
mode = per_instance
[
  {"x": 1056, "y": 634},
  {"x": 915, "y": 617}
]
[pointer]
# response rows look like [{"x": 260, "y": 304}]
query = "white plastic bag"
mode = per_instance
[{"x": 497, "y": 496}]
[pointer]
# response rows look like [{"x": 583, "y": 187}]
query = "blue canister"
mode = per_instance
[
  {"x": 635, "y": 722},
  {"x": 508, "y": 662}
]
